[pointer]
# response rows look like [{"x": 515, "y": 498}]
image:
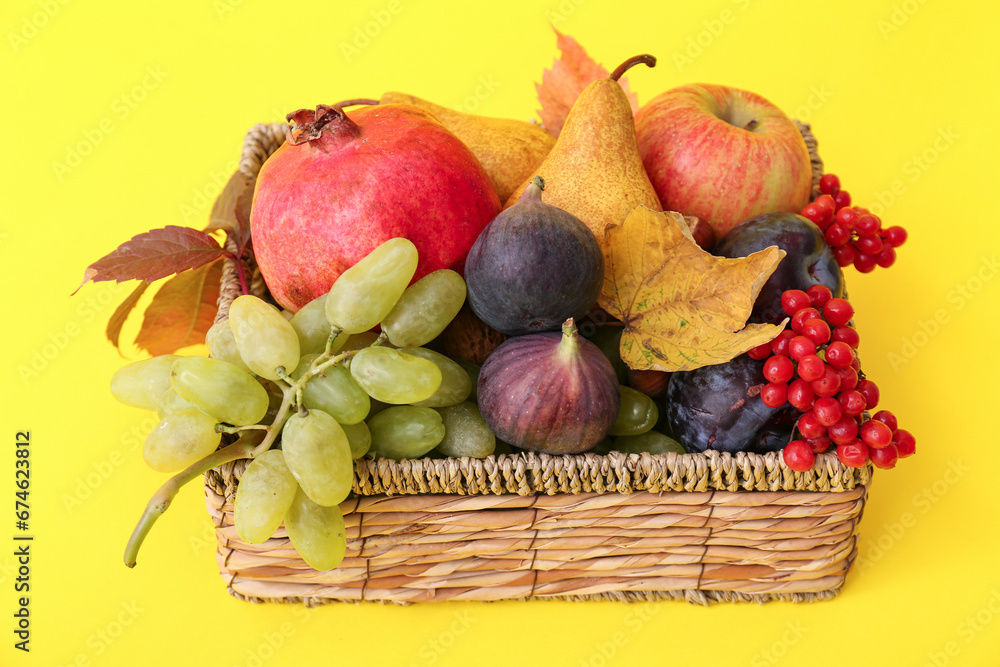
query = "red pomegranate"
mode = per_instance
[{"x": 342, "y": 184}]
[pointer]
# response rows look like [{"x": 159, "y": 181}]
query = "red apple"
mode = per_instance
[
  {"x": 342, "y": 184},
  {"x": 722, "y": 154}
]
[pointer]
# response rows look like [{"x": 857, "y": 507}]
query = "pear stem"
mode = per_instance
[
  {"x": 356, "y": 102},
  {"x": 646, "y": 59}
]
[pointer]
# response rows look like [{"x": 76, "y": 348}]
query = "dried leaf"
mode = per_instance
[
  {"x": 182, "y": 311},
  {"x": 573, "y": 71},
  {"x": 155, "y": 254},
  {"x": 117, "y": 321},
  {"x": 231, "y": 210},
  {"x": 683, "y": 308}
]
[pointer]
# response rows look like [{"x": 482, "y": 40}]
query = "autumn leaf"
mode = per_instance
[
  {"x": 573, "y": 71},
  {"x": 231, "y": 209},
  {"x": 117, "y": 320},
  {"x": 155, "y": 254},
  {"x": 182, "y": 311},
  {"x": 683, "y": 308}
]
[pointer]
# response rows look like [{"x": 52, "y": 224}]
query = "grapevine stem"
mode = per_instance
[
  {"x": 158, "y": 504},
  {"x": 287, "y": 396}
]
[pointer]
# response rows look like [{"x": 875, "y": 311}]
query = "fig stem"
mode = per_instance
[
  {"x": 645, "y": 58},
  {"x": 539, "y": 181},
  {"x": 569, "y": 345}
]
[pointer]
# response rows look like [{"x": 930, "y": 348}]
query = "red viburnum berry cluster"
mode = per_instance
[
  {"x": 853, "y": 233},
  {"x": 813, "y": 367}
]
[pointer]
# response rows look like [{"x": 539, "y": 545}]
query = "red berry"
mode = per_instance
[
  {"x": 869, "y": 244},
  {"x": 865, "y": 263},
  {"x": 779, "y": 369},
  {"x": 894, "y": 236},
  {"x": 839, "y": 355},
  {"x": 885, "y": 457},
  {"x": 838, "y": 312},
  {"x": 887, "y": 257},
  {"x": 828, "y": 385},
  {"x": 801, "y": 315},
  {"x": 794, "y": 300},
  {"x": 848, "y": 379},
  {"x": 813, "y": 212},
  {"x": 828, "y": 411},
  {"x": 818, "y": 445},
  {"x": 843, "y": 333},
  {"x": 774, "y": 394},
  {"x": 869, "y": 390},
  {"x": 800, "y": 394},
  {"x": 842, "y": 199},
  {"x": 876, "y": 434},
  {"x": 886, "y": 418},
  {"x": 844, "y": 255},
  {"x": 853, "y": 453},
  {"x": 798, "y": 456},
  {"x": 809, "y": 426},
  {"x": 836, "y": 236},
  {"x": 829, "y": 184},
  {"x": 811, "y": 368},
  {"x": 760, "y": 352},
  {"x": 904, "y": 442},
  {"x": 819, "y": 295},
  {"x": 852, "y": 402},
  {"x": 827, "y": 206},
  {"x": 843, "y": 431},
  {"x": 867, "y": 224},
  {"x": 846, "y": 217},
  {"x": 800, "y": 346},
  {"x": 816, "y": 330},
  {"x": 780, "y": 343}
]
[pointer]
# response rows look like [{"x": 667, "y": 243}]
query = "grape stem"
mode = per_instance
[{"x": 161, "y": 500}]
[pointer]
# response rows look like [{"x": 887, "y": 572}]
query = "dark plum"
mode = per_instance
[
  {"x": 718, "y": 407},
  {"x": 809, "y": 260},
  {"x": 533, "y": 267}
]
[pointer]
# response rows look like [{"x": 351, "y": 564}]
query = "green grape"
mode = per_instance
[
  {"x": 637, "y": 414},
  {"x": 603, "y": 447},
  {"x": 179, "y": 440},
  {"x": 503, "y": 448},
  {"x": 365, "y": 293},
  {"x": 473, "y": 371},
  {"x": 319, "y": 455},
  {"x": 456, "y": 385},
  {"x": 465, "y": 432},
  {"x": 653, "y": 442},
  {"x": 359, "y": 437},
  {"x": 221, "y": 344},
  {"x": 171, "y": 403},
  {"x": 220, "y": 389},
  {"x": 141, "y": 384},
  {"x": 425, "y": 309},
  {"x": 265, "y": 339},
  {"x": 316, "y": 532},
  {"x": 263, "y": 497},
  {"x": 335, "y": 392},
  {"x": 392, "y": 376},
  {"x": 313, "y": 328},
  {"x": 608, "y": 338},
  {"x": 405, "y": 432}
]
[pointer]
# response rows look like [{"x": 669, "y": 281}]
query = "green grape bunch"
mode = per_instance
[{"x": 302, "y": 396}]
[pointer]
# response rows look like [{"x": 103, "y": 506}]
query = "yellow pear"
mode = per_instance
[
  {"x": 594, "y": 171},
  {"x": 508, "y": 149}
]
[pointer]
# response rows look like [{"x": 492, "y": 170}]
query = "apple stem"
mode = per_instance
[
  {"x": 752, "y": 125},
  {"x": 646, "y": 59}
]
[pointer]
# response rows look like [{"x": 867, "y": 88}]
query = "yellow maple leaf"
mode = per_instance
[{"x": 683, "y": 308}]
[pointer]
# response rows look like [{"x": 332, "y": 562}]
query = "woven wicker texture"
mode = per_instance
[{"x": 696, "y": 527}]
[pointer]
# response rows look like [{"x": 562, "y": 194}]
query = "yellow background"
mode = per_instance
[{"x": 154, "y": 98}]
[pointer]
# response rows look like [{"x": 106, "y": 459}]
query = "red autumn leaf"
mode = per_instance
[
  {"x": 231, "y": 210},
  {"x": 573, "y": 71},
  {"x": 117, "y": 321},
  {"x": 155, "y": 254},
  {"x": 182, "y": 311}
]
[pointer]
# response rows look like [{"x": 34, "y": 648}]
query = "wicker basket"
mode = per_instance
[{"x": 699, "y": 527}]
